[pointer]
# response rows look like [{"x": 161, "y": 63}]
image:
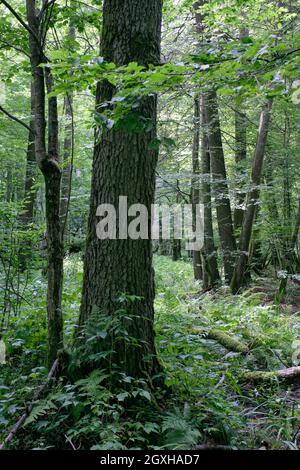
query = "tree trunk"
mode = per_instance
[
  {"x": 209, "y": 252},
  {"x": 49, "y": 166},
  {"x": 176, "y": 242},
  {"x": 124, "y": 165},
  {"x": 240, "y": 158},
  {"x": 240, "y": 155},
  {"x": 220, "y": 186},
  {"x": 252, "y": 198},
  {"x": 197, "y": 264},
  {"x": 67, "y": 151},
  {"x": 27, "y": 215}
]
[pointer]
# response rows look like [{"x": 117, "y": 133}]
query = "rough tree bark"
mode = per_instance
[
  {"x": 218, "y": 170},
  {"x": 124, "y": 165},
  {"x": 252, "y": 198},
  {"x": 49, "y": 165}
]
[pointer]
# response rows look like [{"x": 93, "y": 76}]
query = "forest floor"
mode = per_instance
[{"x": 206, "y": 342}]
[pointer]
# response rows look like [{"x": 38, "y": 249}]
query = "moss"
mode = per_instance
[
  {"x": 229, "y": 342},
  {"x": 257, "y": 376},
  {"x": 291, "y": 374}
]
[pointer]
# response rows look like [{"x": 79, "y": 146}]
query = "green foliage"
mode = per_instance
[{"x": 208, "y": 401}]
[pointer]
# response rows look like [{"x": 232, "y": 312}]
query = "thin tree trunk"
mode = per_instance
[
  {"x": 197, "y": 263},
  {"x": 240, "y": 158},
  {"x": 296, "y": 228},
  {"x": 252, "y": 198},
  {"x": 211, "y": 277},
  {"x": 220, "y": 186},
  {"x": 49, "y": 166},
  {"x": 67, "y": 150},
  {"x": 176, "y": 242},
  {"x": 9, "y": 185},
  {"x": 30, "y": 193},
  {"x": 124, "y": 165}
]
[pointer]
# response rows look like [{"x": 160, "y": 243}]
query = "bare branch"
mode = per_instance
[
  {"x": 20, "y": 20},
  {"x": 14, "y": 118}
]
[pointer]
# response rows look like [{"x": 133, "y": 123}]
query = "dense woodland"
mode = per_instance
[{"x": 115, "y": 344}]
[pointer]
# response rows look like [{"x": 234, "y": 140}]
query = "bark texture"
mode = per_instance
[{"x": 124, "y": 165}]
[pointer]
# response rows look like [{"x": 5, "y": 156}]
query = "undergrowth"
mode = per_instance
[{"x": 208, "y": 402}]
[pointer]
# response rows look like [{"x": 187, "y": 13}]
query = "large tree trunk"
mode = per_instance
[
  {"x": 252, "y": 198},
  {"x": 220, "y": 185},
  {"x": 49, "y": 166},
  {"x": 124, "y": 165},
  {"x": 197, "y": 264},
  {"x": 209, "y": 252}
]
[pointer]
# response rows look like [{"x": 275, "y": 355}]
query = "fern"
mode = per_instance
[
  {"x": 40, "y": 410},
  {"x": 180, "y": 432}
]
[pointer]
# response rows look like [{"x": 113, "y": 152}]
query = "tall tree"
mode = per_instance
[
  {"x": 240, "y": 152},
  {"x": 124, "y": 165},
  {"x": 211, "y": 275},
  {"x": 220, "y": 185},
  {"x": 68, "y": 149},
  {"x": 197, "y": 263},
  {"x": 252, "y": 197},
  {"x": 48, "y": 162},
  {"x": 240, "y": 158},
  {"x": 30, "y": 177}
]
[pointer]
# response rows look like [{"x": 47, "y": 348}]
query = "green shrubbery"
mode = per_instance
[{"x": 209, "y": 402}]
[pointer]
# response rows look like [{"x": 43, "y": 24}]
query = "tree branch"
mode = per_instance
[
  {"x": 20, "y": 20},
  {"x": 14, "y": 118}
]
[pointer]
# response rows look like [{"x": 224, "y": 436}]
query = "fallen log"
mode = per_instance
[
  {"x": 232, "y": 343},
  {"x": 288, "y": 374},
  {"x": 29, "y": 408}
]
